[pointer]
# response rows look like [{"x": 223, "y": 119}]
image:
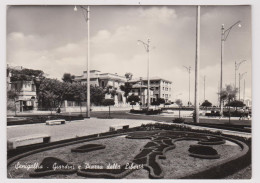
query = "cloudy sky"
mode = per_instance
[{"x": 53, "y": 39}]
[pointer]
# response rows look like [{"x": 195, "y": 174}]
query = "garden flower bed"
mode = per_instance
[{"x": 151, "y": 153}]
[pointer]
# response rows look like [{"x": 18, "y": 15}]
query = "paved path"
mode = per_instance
[{"x": 71, "y": 129}]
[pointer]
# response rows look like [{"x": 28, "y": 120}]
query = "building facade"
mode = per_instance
[
  {"x": 105, "y": 80},
  {"x": 160, "y": 88},
  {"x": 26, "y": 98}
]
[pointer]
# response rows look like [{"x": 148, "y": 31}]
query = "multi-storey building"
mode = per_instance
[
  {"x": 25, "y": 90},
  {"x": 141, "y": 91},
  {"x": 161, "y": 88},
  {"x": 101, "y": 79},
  {"x": 105, "y": 80}
]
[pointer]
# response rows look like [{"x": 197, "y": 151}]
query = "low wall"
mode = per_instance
[{"x": 99, "y": 108}]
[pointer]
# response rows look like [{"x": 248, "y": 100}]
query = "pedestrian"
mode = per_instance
[{"x": 58, "y": 110}]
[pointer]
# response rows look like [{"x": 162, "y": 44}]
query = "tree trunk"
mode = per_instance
[
  {"x": 109, "y": 111},
  {"x": 229, "y": 111},
  {"x": 14, "y": 107},
  {"x": 179, "y": 112}
]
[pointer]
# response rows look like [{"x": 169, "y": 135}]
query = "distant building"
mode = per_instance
[
  {"x": 26, "y": 92},
  {"x": 101, "y": 79},
  {"x": 248, "y": 102},
  {"x": 141, "y": 91},
  {"x": 105, "y": 80},
  {"x": 161, "y": 88}
]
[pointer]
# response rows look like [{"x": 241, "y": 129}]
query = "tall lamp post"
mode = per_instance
[
  {"x": 197, "y": 68},
  {"x": 224, "y": 36},
  {"x": 85, "y": 12},
  {"x": 141, "y": 92},
  {"x": 188, "y": 70},
  {"x": 204, "y": 87},
  {"x": 237, "y": 65},
  {"x": 147, "y": 49},
  {"x": 240, "y": 77}
]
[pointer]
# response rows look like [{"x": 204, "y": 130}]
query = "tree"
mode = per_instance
[
  {"x": 161, "y": 101},
  {"x": 155, "y": 103},
  {"x": 51, "y": 100},
  {"x": 59, "y": 89},
  {"x": 236, "y": 103},
  {"x": 97, "y": 95},
  {"x": 128, "y": 75},
  {"x": 12, "y": 95},
  {"x": 67, "y": 77},
  {"x": 206, "y": 104},
  {"x": 127, "y": 87},
  {"x": 228, "y": 94},
  {"x": 108, "y": 102},
  {"x": 79, "y": 93},
  {"x": 133, "y": 99},
  {"x": 179, "y": 103}
]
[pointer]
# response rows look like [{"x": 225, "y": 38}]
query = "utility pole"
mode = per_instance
[
  {"x": 240, "y": 77},
  {"x": 188, "y": 70},
  {"x": 237, "y": 65},
  {"x": 86, "y": 13},
  {"x": 244, "y": 90},
  {"x": 204, "y": 87},
  {"x": 197, "y": 63},
  {"x": 147, "y": 48},
  {"x": 224, "y": 36}
]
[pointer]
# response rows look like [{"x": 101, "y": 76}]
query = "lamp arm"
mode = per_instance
[
  {"x": 144, "y": 44},
  {"x": 227, "y": 31}
]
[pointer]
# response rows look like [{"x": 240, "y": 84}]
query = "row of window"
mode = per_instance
[
  {"x": 166, "y": 89},
  {"x": 166, "y": 95}
]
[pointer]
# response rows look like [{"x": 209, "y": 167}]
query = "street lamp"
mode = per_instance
[
  {"x": 188, "y": 70},
  {"x": 224, "y": 36},
  {"x": 147, "y": 49},
  {"x": 204, "y": 78},
  {"x": 237, "y": 65},
  {"x": 240, "y": 77},
  {"x": 141, "y": 92},
  {"x": 85, "y": 12}
]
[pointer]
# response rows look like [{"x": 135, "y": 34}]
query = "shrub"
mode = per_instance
[{"x": 179, "y": 120}]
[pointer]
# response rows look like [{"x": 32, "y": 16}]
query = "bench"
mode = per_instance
[
  {"x": 13, "y": 143},
  {"x": 55, "y": 122},
  {"x": 118, "y": 127}
]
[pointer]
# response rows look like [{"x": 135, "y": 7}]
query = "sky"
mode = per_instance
[{"x": 53, "y": 39}]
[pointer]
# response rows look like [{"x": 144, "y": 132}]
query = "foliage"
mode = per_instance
[
  {"x": 25, "y": 74},
  {"x": 12, "y": 94},
  {"x": 235, "y": 103},
  {"x": 228, "y": 94},
  {"x": 127, "y": 87},
  {"x": 206, "y": 103},
  {"x": 156, "y": 103},
  {"x": 108, "y": 102},
  {"x": 97, "y": 95},
  {"x": 128, "y": 75},
  {"x": 133, "y": 98},
  {"x": 179, "y": 120},
  {"x": 67, "y": 77},
  {"x": 178, "y": 102},
  {"x": 112, "y": 91},
  {"x": 161, "y": 101},
  {"x": 52, "y": 89}
]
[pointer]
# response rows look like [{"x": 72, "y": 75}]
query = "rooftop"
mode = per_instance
[{"x": 155, "y": 78}]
